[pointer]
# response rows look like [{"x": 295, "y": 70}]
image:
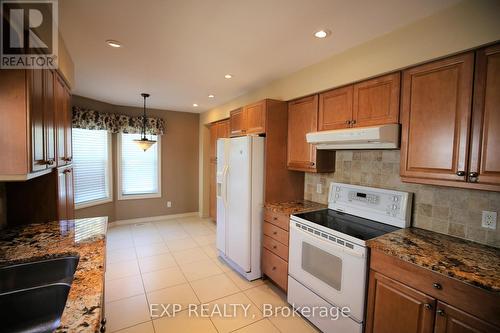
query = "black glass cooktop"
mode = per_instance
[{"x": 351, "y": 225}]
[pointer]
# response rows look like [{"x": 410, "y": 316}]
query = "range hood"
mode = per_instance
[{"x": 373, "y": 137}]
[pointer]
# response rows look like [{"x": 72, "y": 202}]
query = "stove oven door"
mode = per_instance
[{"x": 334, "y": 272}]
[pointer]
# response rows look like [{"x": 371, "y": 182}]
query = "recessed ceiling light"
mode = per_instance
[
  {"x": 322, "y": 33},
  {"x": 211, "y": 96},
  {"x": 228, "y": 76},
  {"x": 195, "y": 105},
  {"x": 113, "y": 43}
]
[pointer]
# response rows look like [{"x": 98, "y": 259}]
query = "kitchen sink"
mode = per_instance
[
  {"x": 38, "y": 309},
  {"x": 33, "y": 295},
  {"x": 38, "y": 273}
]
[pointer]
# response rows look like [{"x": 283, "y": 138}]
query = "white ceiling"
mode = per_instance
[{"x": 179, "y": 50}]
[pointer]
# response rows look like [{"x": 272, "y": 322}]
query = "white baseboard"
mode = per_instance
[{"x": 152, "y": 219}]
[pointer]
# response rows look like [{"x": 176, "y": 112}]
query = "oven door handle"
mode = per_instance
[{"x": 332, "y": 244}]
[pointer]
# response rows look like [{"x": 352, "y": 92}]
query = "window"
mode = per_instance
[
  {"x": 92, "y": 167},
  {"x": 139, "y": 171}
]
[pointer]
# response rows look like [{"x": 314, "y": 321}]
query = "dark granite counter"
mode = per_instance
[
  {"x": 293, "y": 207},
  {"x": 472, "y": 263},
  {"x": 83, "y": 237}
]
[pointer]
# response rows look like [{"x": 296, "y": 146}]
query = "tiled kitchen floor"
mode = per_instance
[{"x": 175, "y": 262}]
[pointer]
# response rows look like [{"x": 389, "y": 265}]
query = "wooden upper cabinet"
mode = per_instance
[
  {"x": 302, "y": 156},
  {"x": 436, "y": 112},
  {"x": 376, "y": 101},
  {"x": 213, "y": 141},
  {"x": 49, "y": 118},
  {"x": 255, "y": 118},
  {"x": 485, "y": 136},
  {"x": 237, "y": 122},
  {"x": 395, "y": 307},
  {"x": 452, "y": 320},
  {"x": 62, "y": 123},
  {"x": 36, "y": 106},
  {"x": 223, "y": 130},
  {"x": 335, "y": 109}
]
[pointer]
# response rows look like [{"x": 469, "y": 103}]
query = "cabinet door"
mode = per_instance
[
  {"x": 213, "y": 141},
  {"x": 60, "y": 122},
  {"x": 36, "y": 120},
  {"x": 255, "y": 116},
  {"x": 335, "y": 109},
  {"x": 223, "y": 129},
  {"x": 62, "y": 206},
  {"x": 452, "y": 320},
  {"x": 70, "y": 194},
  {"x": 376, "y": 101},
  {"x": 68, "y": 125},
  {"x": 237, "y": 122},
  {"x": 302, "y": 119},
  {"x": 396, "y": 308},
  {"x": 436, "y": 113},
  {"x": 485, "y": 138},
  {"x": 49, "y": 118}
]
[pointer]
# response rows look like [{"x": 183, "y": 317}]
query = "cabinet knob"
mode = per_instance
[
  {"x": 460, "y": 173},
  {"x": 436, "y": 285},
  {"x": 428, "y": 306},
  {"x": 49, "y": 162},
  {"x": 275, "y": 247},
  {"x": 67, "y": 171},
  {"x": 275, "y": 218},
  {"x": 440, "y": 312},
  {"x": 353, "y": 122},
  {"x": 274, "y": 268},
  {"x": 348, "y": 122},
  {"x": 275, "y": 232},
  {"x": 473, "y": 177},
  {"x": 67, "y": 159},
  {"x": 312, "y": 164}
]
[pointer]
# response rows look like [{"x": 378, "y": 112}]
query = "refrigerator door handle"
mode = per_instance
[{"x": 224, "y": 185}]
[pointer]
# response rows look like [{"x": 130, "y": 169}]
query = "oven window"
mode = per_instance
[{"x": 323, "y": 265}]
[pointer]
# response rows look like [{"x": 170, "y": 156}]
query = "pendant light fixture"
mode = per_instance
[{"x": 144, "y": 143}]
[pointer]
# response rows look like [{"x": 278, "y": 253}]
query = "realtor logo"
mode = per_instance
[{"x": 29, "y": 35}]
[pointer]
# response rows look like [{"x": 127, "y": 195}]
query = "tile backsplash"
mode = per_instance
[{"x": 447, "y": 210}]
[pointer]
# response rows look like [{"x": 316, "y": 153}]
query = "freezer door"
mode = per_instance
[
  {"x": 239, "y": 189},
  {"x": 221, "y": 181}
]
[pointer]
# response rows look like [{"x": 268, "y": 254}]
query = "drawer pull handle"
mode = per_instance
[
  {"x": 441, "y": 312},
  {"x": 275, "y": 247},
  {"x": 274, "y": 268},
  {"x": 275, "y": 218},
  {"x": 275, "y": 232},
  {"x": 437, "y": 286},
  {"x": 428, "y": 306}
]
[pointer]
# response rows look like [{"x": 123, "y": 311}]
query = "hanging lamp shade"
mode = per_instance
[{"x": 144, "y": 143}]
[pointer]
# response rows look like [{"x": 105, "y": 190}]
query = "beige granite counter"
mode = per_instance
[
  {"x": 293, "y": 207},
  {"x": 470, "y": 262},
  {"x": 83, "y": 237}
]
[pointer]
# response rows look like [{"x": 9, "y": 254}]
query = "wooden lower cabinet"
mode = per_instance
[
  {"x": 406, "y": 298},
  {"x": 275, "y": 248}
]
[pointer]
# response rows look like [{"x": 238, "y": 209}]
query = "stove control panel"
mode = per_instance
[{"x": 386, "y": 206}]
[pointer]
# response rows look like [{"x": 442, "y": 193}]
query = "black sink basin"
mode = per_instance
[
  {"x": 37, "y": 309},
  {"x": 34, "y": 274}
]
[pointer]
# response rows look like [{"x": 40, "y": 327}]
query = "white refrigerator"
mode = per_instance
[{"x": 240, "y": 196}]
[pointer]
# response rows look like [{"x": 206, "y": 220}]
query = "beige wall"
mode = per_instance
[
  {"x": 179, "y": 175},
  {"x": 468, "y": 24},
  {"x": 446, "y": 210}
]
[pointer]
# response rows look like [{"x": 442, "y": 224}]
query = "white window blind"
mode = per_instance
[
  {"x": 92, "y": 166},
  {"x": 139, "y": 170}
]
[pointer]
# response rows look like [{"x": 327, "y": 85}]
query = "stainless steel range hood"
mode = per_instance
[{"x": 373, "y": 137}]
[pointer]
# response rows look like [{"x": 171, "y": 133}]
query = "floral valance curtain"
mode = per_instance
[{"x": 114, "y": 122}]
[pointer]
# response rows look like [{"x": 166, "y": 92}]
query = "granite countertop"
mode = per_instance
[
  {"x": 83, "y": 237},
  {"x": 293, "y": 207},
  {"x": 472, "y": 263}
]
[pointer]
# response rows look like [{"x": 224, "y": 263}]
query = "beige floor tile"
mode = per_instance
[
  {"x": 147, "y": 239},
  {"x": 238, "y": 317},
  {"x": 122, "y": 269},
  {"x": 266, "y": 294},
  {"x": 222, "y": 264},
  {"x": 126, "y": 312},
  {"x": 162, "y": 279},
  {"x": 173, "y": 235},
  {"x": 150, "y": 250},
  {"x": 241, "y": 282},
  {"x": 262, "y": 326},
  {"x": 210, "y": 250},
  {"x": 200, "y": 269},
  {"x": 119, "y": 255},
  {"x": 182, "y": 294},
  {"x": 189, "y": 256},
  {"x": 183, "y": 323},
  {"x": 293, "y": 324},
  {"x": 123, "y": 288},
  {"x": 146, "y": 327},
  {"x": 197, "y": 230},
  {"x": 120, "y": 243},
  {"x": 155, "y": 263},
  {"x": 205, "y": 240},
  {"x": 214, "y": 287},
  {"x": 176, "y": 245}
]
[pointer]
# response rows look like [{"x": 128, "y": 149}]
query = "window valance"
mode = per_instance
[{"x": 114, "y": 122}]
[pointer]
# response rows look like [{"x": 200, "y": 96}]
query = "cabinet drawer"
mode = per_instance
[
  {"x": 276, "y": 233},
  {"x": 275, "y": 268},
  {"x": 279, "y": 219},
  {"x": 275, "y": 247},
  {"x": 476, "y": 301}
]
